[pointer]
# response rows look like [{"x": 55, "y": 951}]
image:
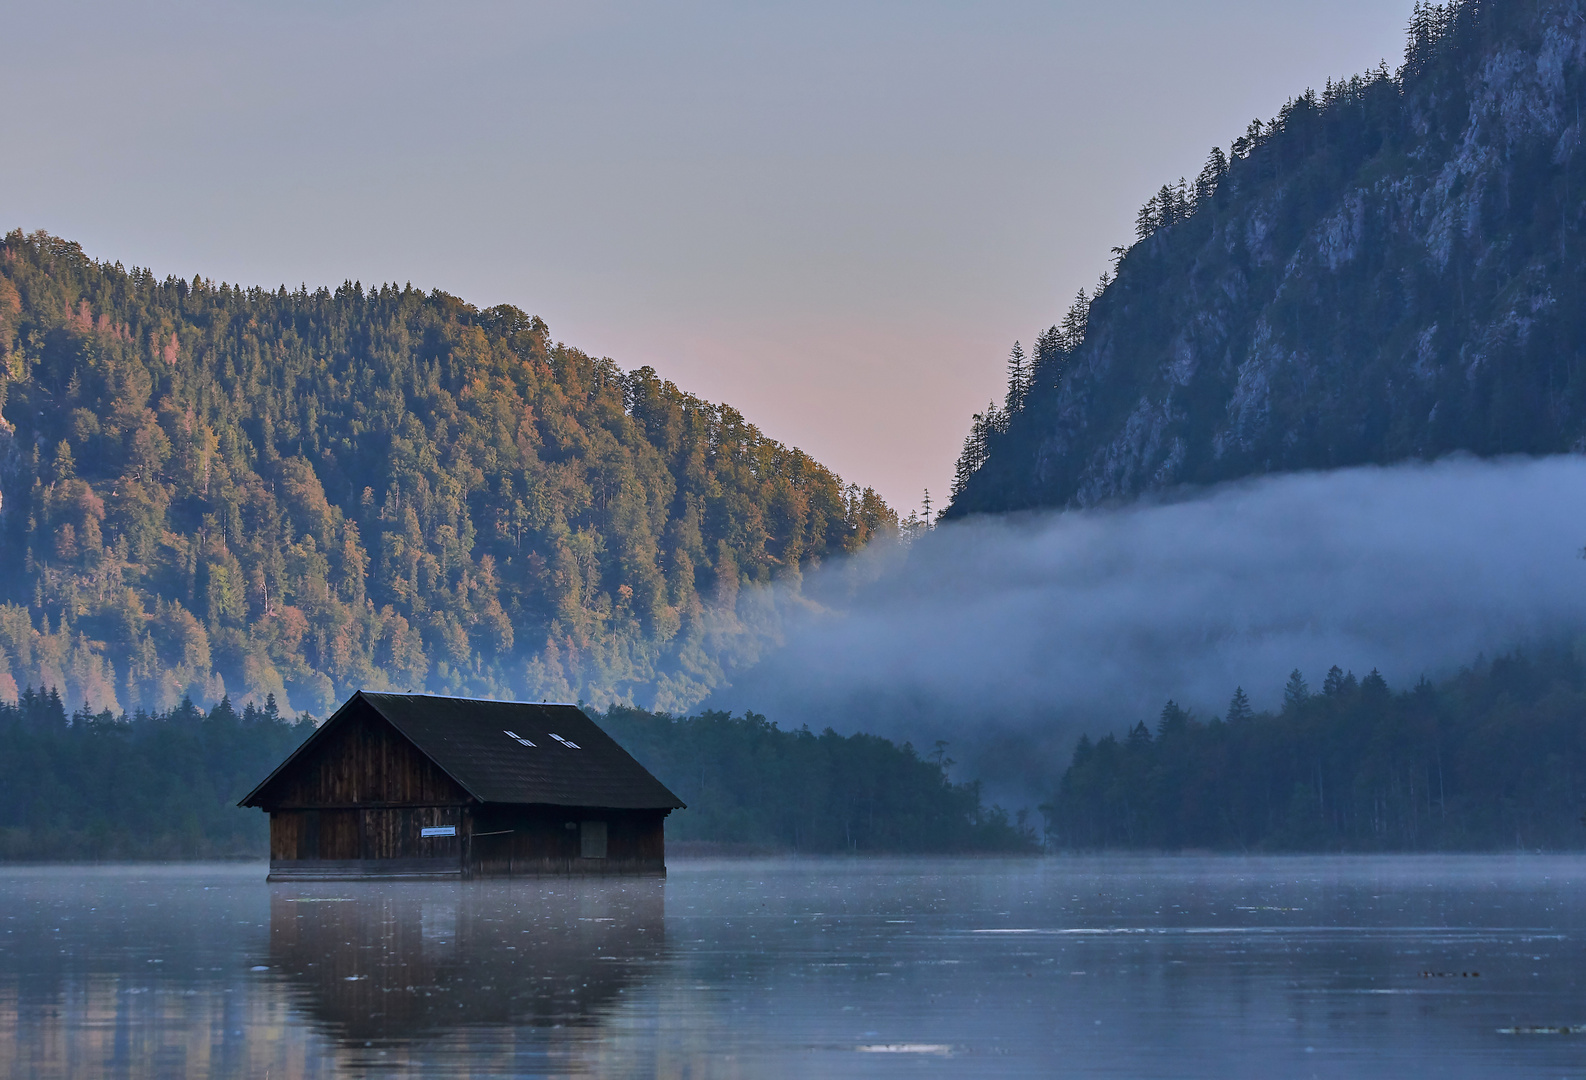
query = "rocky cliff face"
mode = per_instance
[{"x": 1393, "y": 268}]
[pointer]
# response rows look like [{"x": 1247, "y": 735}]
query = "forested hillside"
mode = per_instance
[
  {"x": 1391, "y": 268},
  {"x": 208, "y": 489},
  {"x": 1493, "y": 758},
  {"x": 165, "y": 785}
]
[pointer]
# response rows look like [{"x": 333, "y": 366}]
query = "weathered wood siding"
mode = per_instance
[
  {"x": 514, "y": 841},
  {"x": 379, "y": 833},
  {"x": 492, "y": 841},
  {"x": 362, "y": 762}
]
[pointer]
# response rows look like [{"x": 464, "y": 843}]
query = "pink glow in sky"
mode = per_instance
[{"x": 836, "y": 217}]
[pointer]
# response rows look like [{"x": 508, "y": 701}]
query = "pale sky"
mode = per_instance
[{"x": 836, "y": 217}]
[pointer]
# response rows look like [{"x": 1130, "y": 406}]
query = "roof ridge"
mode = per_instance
[{"x": 464, "y": 697}]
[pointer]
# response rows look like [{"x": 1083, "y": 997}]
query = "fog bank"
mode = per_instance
[{"x": 1010, "y": 636}]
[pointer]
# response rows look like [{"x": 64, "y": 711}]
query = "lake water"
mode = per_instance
[{"x": 1128, "y": 967}]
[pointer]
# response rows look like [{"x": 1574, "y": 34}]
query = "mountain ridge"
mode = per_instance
[{"x": 1385, "y": 271}]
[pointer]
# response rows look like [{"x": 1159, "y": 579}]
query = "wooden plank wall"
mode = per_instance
[
  {"x": 363, "y": 761},
  {"x": 510, "y": 841},
  {"x": 499, "y": 841},
  {"x": 376, "y": 833}
]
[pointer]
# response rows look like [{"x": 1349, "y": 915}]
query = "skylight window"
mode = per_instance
[
  {"x": 515, "y": 737},
  {"x": 565, "y": 742}
]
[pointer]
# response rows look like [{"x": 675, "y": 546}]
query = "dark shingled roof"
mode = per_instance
[{"x": 467, "y": 738}]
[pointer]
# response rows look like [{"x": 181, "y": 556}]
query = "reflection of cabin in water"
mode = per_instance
[
  {"x": 413, "y": 966},
  {"x": 407, "y": 785}
]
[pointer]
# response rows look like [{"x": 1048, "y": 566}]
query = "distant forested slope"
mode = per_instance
[
  {"x": 1392, "y": 268},
  {"x": 1493, "y": 758},
  {"x": 208, "y": 489}
]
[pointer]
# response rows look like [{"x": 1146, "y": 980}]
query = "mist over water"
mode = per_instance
[
  {"x": 1185, "y": 967},
  {"x": 1011, "y": 636}
]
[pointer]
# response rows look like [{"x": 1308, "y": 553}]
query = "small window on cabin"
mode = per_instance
[
  {"x": 565, "y": 742},
  {"x": 592, "y": 840},
  {"x": 515, "y": 737}
]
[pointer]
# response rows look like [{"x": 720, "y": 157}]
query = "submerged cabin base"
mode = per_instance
[
  {"x": 410, "y": 787},
  {"x": 464, "y": 842},
  {"x": 364, "y": 870},
  {"x": 445, "y": 870},
  {"x": 415, "y": 870}
]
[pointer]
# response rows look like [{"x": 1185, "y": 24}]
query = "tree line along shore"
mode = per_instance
[{"x": 1492, "y": 758}]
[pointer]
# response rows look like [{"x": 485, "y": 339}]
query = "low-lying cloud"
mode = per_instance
[{"x": 1011, "y": 636}]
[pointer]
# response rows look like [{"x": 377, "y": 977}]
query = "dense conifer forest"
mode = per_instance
[
  {"x": 747, "y": 782},
  {"x": 150, "y": 786},
  {"x": 1492, "y": 759},
  {"x": 209, "y": 490},
  {"x": 1388, "y": 269},
  {"x": 164, "y": 785}
]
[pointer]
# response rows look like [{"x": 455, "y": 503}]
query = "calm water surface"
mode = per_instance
[{"x": 1165, "y": 967}]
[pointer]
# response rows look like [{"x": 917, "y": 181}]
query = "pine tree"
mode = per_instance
[
  {"x": 65, "y": 465},
  {"x": 1295, "y": 692},
  {"x": 1211, "y": 175},
  {"x": 965, "y": 466},
  {"x": 1146, "y": 222},
  {"x": 1076, "y": 319},
  {"x": 976, "y": 446},
  {"x": 1083, "y": 750},
  {"x": 1428, "y": 24},
  {"x": 1051, "y": 355},
  {"x": 1174, "y": 721},
  {"x": 1018, "y": 379},
  {"x": 1239, "y": 707},
  {"x": 1049, "y": 365},
  {"x": 1249, "y": 142}
]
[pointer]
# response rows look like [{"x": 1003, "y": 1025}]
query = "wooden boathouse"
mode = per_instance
[{"x": 415, "y": 786}]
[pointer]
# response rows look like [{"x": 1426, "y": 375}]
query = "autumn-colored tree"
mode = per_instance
[{"x": 212, "y": 490}]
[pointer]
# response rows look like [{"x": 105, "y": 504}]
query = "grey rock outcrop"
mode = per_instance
[{"x": 1392, "y": 269}]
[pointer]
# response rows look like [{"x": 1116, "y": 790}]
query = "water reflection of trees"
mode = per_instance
[{"x": 394, "y": 962}]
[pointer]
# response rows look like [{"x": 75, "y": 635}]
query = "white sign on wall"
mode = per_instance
[{"x": 439, "y": 830}]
